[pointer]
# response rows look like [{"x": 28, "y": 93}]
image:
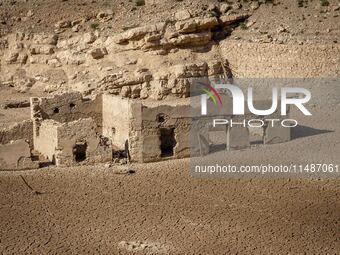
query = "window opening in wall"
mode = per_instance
[{"x": 160, "y": 118}]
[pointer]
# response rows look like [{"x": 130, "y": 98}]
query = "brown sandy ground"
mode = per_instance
[{"x": 91, "y": 211}]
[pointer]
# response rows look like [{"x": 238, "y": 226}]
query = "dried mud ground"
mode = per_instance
[{"x": 161, "y": 209}]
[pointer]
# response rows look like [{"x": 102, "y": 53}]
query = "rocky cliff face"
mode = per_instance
[
  {"x": 152, "y": 61},
  {"x": 152, "y": 49}
]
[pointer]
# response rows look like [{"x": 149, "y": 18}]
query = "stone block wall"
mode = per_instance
[
  {"x": 159, "y": 131},
  {"x": 78, "y": 142},
  {"x": 46, "y": 141},
  {"x": 154, "y": 130},
  {"x": 172, "y": 129},
  {"x": 68, "y": 107},
  {"x": 116, "y": 119},
  {"x": 135, "y": 131},
  {"x": 67, "y": 129},
  {"x": 72, "y": 143},
  {"x": 16, "y": 156},
  {"x": 17, "y": 131},
  {"x": 16, "y": 144}
]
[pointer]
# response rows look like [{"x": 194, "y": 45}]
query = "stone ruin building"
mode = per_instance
[
  {"x": 123, "y": 95},
  {"x": 69, "y": 130}
]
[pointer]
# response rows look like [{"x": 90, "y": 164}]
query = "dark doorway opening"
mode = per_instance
[
  {"x": 79, "y": 151},
  {"x": 168, "y": 141}
]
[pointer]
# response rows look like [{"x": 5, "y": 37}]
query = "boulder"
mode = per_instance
[
  {"x": 25, "y": 84},
  {"x": 43, "y": 38},
  {"x": 71, "y": 43},
  {"x": 190, "y": 70},
  {"x": 225, "y": 7},
  {"x": 188, "y": 26},
  {"x": 41, "y": 49},
  {"x": 192, "y": 40},
  {"x": 54, "y": 62},
  {"x": 12, "y": 57},
  {"x": 15, "y": 104},
  {"x": 254, "y": 5},
  {"x": 89, "y": 37},
  {"x": 38, "y": 59},
  {"x": 152, "y": 2},
  {"x": 77, "y": 22},
  {"x": 126, "y": 91},
  {"x": 215, "y": 68},
  {"x": 105, "y": 15},
  {"x": 76, "y": 28},
  {"x": 139, "y": 32},
  {"x": 71, "y": 57},
  {"x": 206, "y": 23},
  {"x": 135, "y": 91},
  {"x": 22, "y": 58},
  {"x": 182, "y": 15},
  {"x": 3, "y": 43},
  {"x": 233, "y": 18},
  {"x": 193, "y": 25},
  {"x": 85, "y": 87},
  {"x": 118, "y": 80},
  {"x": 98, "y": 53},
  {"x": 30, "y": 13},
  {"x": 63, "y": 24},
  {"x": 236, "y": 6},
  {"x": 19, "y": 130}
]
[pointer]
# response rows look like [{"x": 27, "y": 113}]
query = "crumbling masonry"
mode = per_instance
[{"x": 69, "y": 129}]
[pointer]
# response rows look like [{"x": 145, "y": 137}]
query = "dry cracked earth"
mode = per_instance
[{"x": 162, "y": 210}]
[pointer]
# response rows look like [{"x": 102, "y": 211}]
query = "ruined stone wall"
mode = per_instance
[
  {"x": 46, "y": 141},
  {"x": 59, "y": 142},
  {"x": 49, "y": 113},
  {"x": 176, "y": 129},
  {"x": 16, "y": 156},
  {"x": 68, "y": 107},
  {"x": 152, "y": 126},
  {"x": 135, "y": 132},
  {"x": 81, "y": 133},
  {"x": 116, "y": 119},
  {"x": 17, "y": 131}
]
